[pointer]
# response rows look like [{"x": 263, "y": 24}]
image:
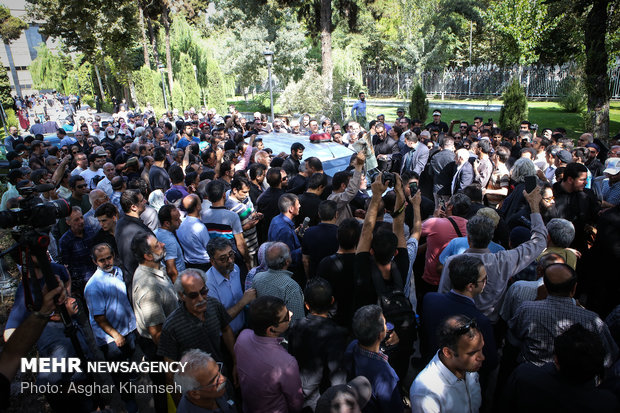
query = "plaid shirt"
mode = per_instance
[
  {"x": 537, "y": 323},
  {"x": 278, "y": 283}
]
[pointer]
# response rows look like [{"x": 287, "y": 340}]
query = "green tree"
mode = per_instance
[
  {"x": 48, "y": 70},
  {"x": 520, "y": 25},
  {"x": 10, "y": 29},
  {"x": 418, "y": 107},
  {"x": 215, "y": 86},
  {"x": 5, "y": 88},
  {"x": 514, "y": 108}
]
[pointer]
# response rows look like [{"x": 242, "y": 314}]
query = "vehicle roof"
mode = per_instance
[{"x": 334, "y": 156}]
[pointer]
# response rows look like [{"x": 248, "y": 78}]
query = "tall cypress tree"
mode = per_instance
[{"x": 514, "y": 109}]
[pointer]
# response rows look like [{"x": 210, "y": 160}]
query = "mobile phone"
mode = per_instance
[
  {"x": 530, "y": 183},
  {"x": 413, "y": 188}
]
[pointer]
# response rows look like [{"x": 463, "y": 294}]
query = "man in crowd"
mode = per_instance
[
  {"x": 193, "y": 235},
  {"x": 262, "y": 363},
  {"x": 282, "y": 228},
  {"x": 320, "y": 240},
  {"x": 169, "y": 221},
  {"x": 75, "y": 246},
  {"x": 107, "y": 216}
]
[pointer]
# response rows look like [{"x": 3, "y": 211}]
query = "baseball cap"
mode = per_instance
[
  {"x": 593, "y": 145},
  {"x": 612, "y": 166},
  {"x": 436, "y": 113},
  {"x": 101, "y": 152},
  {"x": 333, "y": 398},
  {"x": 564, "y": 156}
]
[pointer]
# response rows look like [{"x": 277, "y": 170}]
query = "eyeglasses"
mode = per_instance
[
  {"x": 81, "y": 186},
  {"x": 483, "y": 281},
  {"x": 549, "y": 199},
  {"x": 286, "y": 319},
  {"x": 466, "y": 327},
  {"x": 225, "y": 258},
  {"x": 216, "y": 379},
  {"x": 193, "y": 295}
]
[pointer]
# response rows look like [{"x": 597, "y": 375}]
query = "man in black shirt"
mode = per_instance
[
  {"x": 443, "y": 126},
  {"x": 339, "y": 270},
  {"x": 257, "y": 176},
  {"x": 318, "y": 344},
  {"x": 320, "y": 240},
  {"x": 311, "y": 199},
  {"x": 267, "y": 203},
  {"x": 107, "y": 215}
]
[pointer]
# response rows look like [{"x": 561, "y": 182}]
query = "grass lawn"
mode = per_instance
[{"x": 545, "y": 114}]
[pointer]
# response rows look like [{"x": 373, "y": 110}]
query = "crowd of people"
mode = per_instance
[{"x": 448, "y": 268}]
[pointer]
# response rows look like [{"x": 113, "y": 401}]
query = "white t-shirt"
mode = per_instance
[{"x": 88, "y": 176}]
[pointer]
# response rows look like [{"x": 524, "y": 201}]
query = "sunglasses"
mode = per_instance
[
  {"x": 195, "y": 294},
  {"x": 467, "y": 326},
  {"x": 286, "y": 319}
]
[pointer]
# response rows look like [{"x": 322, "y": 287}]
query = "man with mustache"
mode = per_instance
[
  {"x": 199, "y": 322},
  {"x": 203, "y": 385}
]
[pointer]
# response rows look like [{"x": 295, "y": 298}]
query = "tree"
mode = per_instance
[
  {"x": 215, "y": 86},
  {"x": 418, "y": 108},
  {"x": 11, "y": 28},
  {"x": 5, "y": 88},
  {"x": 514, "y": 109},
  {"x": 48, "y": 70}
]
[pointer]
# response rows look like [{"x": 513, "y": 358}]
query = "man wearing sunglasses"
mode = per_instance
[
  {"x": 468, "y": 277},
  {"x": 199, "y": 322},
  {"x": 268, "y": 375},
  {"x": 203, "y": 385},
  {"x": 450, "y": 381}
]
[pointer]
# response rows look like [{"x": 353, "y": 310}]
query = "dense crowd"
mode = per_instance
[{"x": 448, "y": 268}]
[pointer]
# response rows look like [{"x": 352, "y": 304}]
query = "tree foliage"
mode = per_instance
[
  {"x": 418, "y": 107},
  {"x": 514, "y": 108},
  {"x": 5, "y": 88},
  {"x": 11, "y": 27},
  {"x": 48, "y": 70},
  {"x": 304, "y": 96}
]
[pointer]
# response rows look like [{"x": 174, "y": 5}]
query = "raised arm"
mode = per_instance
[{"x": 378, "y": 188}]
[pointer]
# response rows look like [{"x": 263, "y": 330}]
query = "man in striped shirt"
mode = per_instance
[{"x": 240, "y": 203}]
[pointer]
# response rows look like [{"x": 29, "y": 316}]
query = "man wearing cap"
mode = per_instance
[
  {"x": 611, "y": 185},
  {"x": 594, "y": 165},
  {"x": 443, "y": 126}
]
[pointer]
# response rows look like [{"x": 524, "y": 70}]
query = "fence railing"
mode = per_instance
[{"x": 481, "y": 80}]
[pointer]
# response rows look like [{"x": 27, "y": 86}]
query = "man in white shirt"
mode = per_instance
[
  {"x": 105, "y": 184},
  {"x": 449, "y": 383},
  {"x": 94, "y": 170}
]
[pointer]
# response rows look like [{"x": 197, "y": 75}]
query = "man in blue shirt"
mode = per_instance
[
  {"x": 224, "y": 282},
  {"x": 110, "y": 314},
  {"x": 169, "y": 221},
  {"x": 282, "y": 228},
  {"x": 364, "y": 357},
  {"x": 358, "y": 111},
  {"x": 193, "y": 235},
  {"x": 75, "y": 247}
]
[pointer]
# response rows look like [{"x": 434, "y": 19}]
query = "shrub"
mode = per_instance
[
  {"x": 572, "y": 95},
  {"x": 514, "y": 109},
  {"x": 418, "y": 107},
  {"x": 304, "y": 96}
]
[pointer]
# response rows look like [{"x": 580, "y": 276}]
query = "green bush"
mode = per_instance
[
  {"x": 262, "y": 102},
  {"x": 573, "y": 97},
  {"x": 514, "y": 109},
  {"x": 418, "y": 107},
  {"x": 88, "y": 100},
  {"x": 305, "y": 96}
]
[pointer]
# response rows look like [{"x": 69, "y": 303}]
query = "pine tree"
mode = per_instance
[
  {"x": 418, "y": 108},
  {"x": 216, "y": 98},
  {"x": 5, "y": 88},
  {"x": 514, "y": 109}
]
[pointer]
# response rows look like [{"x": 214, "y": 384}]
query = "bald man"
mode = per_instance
[{"x": 536, "y": 324}]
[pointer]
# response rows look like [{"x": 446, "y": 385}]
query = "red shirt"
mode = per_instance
[{"x": 439, "y": 232}]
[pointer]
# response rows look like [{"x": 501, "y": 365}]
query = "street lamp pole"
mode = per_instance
[
  {"x": 162, "y": 69},
  {"x": 269, "y": 59}
]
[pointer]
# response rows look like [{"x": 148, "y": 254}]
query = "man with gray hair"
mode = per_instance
[
  {"x": 203, "y": 385},
  {"x": 97, "y": 197},
  {"x": 502, "y": 265},
  {"x": 277, "y": 281},
  {"x": 282, "y": 228},
  {"x": 561, "y": 233}
]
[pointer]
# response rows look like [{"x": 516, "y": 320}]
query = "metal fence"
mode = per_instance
[{"x": 481, "y": 80}]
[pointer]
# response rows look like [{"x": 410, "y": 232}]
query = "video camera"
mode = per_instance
[{"x": 33, "y": 211}]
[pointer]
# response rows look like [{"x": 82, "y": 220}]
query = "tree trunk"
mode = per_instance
[
  {"x": 166, "y": 22},
  {"x": 99, "y": 82},
  {"x": 326, "y": 48},
  {"x": 145, "y": 47},
  {"x": 9, "y": 55},
  {"x": 153, "y": 40},
  {"x": 596, "y": 68}
]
